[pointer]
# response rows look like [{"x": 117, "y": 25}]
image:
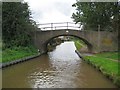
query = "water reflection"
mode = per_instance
[
  {"x": 67, "y": 70},
  {"x": 61, "y": 68},
  {"x": 63, "y": 63}
]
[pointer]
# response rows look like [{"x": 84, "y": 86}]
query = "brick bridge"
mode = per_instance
[{"x": 97, "y": 41}]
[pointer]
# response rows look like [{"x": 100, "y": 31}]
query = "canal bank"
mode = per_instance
[
  {"x": 61, "y": 68},
  {"x": 11, "y": 56},
  {"x": 6, "y": 64},
  {"x": 108, "y": 67}
]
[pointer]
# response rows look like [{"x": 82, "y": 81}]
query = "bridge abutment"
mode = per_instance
[{"x": 96, "y": 41}]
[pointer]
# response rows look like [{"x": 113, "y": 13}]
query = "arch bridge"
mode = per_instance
[{"x": 97, "y": 41}]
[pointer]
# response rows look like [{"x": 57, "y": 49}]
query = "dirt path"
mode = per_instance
[
  {"x": 88, "y": 54},
  {"x": 113, "y": 60},
  {"x": 110, "y": 59}
]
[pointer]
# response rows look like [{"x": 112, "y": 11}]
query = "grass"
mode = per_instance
[
  {"x": 78, "y": 45},
  {"x": 108, "y": 67},
  {"x": 17, "y": 53}
]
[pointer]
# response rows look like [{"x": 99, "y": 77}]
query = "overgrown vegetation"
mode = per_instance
[
  {"x": 108, "y": 67},
  {"x": 78, "y": 44},
  {"x": 92, "y": 15},
  {"x": 17, "y": 28},
  {"x": 16, "y": 24},
  {"x": 17, "y": 53}
]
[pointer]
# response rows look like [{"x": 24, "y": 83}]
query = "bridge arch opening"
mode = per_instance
[{"x": 89, "y": 46}]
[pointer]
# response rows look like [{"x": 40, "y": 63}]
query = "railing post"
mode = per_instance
[
  {"x": 51, "y": 26},
  {"x": 67, "y": 25},
  {"x": 64, "y": 25}
]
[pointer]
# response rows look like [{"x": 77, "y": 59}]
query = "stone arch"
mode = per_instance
[
  {"x": 96, "y": 41},
  {"x": 89, "y": 45}
]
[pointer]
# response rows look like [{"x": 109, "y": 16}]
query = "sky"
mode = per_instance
[{"x": 50, "y": 11}]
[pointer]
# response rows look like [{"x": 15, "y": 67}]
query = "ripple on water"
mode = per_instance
[{"x": 61, "y": 68}]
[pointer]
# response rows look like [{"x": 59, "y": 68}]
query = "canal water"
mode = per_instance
[{"x": 61, "y": 68}]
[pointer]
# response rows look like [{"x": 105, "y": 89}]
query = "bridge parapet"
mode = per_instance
[
  {"x": 60, "y": 26},
  {"x": 97, "y": 41}
]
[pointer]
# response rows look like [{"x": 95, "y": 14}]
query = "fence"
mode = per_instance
[{"x": 59, "y": 26}]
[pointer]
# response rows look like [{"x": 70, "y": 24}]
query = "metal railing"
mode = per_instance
[{"x": 59, "y": 26}]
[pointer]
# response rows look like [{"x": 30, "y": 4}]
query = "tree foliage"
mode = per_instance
[
  {"x": 92, "y": 14},
  {"x": 16, "y": 24}
]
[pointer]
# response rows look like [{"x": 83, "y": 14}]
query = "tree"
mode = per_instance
[
  {"x": 16, "y": 24},
  {"x": 0, "y": 21},
  {"x": 92, "y": 14}
]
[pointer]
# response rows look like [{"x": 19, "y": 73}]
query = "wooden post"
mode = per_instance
[{"x": 99, "y": 37}]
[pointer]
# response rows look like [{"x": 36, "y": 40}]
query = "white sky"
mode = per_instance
[{"x": 50, "y": 11}]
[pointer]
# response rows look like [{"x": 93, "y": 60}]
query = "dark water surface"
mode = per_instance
[{"x": 61, "y": 68}]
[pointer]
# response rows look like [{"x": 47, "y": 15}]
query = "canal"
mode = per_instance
[{"x": 61, "y": 68}]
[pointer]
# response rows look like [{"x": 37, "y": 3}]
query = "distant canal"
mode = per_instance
[{"x": 61, "y": 68}]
